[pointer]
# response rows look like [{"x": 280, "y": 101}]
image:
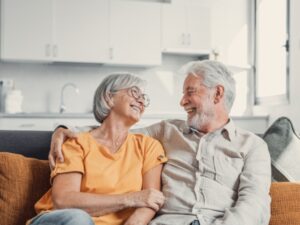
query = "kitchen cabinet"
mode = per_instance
[
  {"x": 55, "y": 30},
  {"x": 26, "y": 29},
  {"x": 44, "y": 122},
  {"x": 81, "y": 30},
  {"x": 135, "y": 28},
  {"x": 102, "y": 31},
  {"x": 49, "y": 121},
  {"x": 186, "y": 27}
]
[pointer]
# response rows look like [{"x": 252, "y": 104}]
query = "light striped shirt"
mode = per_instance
[{"x": 218, "y": 178}]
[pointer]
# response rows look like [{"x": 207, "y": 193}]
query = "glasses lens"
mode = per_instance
[
  {"x": 146, "y": 100},
  {"x": 136, "y": 93}
]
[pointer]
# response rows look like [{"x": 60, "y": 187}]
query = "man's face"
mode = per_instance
[{"x": 197, "y": 101}]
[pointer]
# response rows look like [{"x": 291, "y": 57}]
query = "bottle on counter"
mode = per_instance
[{"x": 5, "y": 86}]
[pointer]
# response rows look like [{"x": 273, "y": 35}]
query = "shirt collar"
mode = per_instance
[{"x": 228, "y": 131}]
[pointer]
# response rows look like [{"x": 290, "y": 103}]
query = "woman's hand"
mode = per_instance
[
  {"x": 137, "y": 218},
  {"x": 151, "y": 183},
  {"x": 150, "y": 198},
  {"x": 58, "y": 138}
]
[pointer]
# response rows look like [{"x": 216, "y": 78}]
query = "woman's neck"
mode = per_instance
[{"x": 111, "y": 134}]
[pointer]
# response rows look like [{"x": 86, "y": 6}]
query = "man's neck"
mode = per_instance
[{"x": 214, "y": 124}]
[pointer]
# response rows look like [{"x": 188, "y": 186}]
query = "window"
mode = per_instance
[{"x": 271, "y": 51}]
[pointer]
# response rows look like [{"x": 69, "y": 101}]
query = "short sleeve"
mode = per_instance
[
  {"x": 154, "y": 154},
  {"x": 73, "y": 159}
]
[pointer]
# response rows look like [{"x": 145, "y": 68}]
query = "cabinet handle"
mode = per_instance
[
  {"x": 183, "y": 39},
  {"x": 111, "y": 53},
  {"x": 47, "y": 50},
  {"x": 27, "y": 125},
  {"x": 188, "y": 39},
  {"x": 55, "y": 50}
]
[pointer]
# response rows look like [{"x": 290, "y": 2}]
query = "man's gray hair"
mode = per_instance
[
  {"x": 110, "y": 85},
  {"x": 214, "y": 73}
]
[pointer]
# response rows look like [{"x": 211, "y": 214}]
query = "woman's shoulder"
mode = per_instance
[
  {"x": 82, "y": 138},
  {"x": 144, "y": 139}
]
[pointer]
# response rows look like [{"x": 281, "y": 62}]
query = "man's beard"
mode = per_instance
[{"x": 202, "y": 119}]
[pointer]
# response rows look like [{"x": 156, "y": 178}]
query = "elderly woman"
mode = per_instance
[{"x": 109, "y": 176}]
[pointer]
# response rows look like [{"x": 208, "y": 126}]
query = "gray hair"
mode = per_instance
[
  {"x": 214, "y": 73},
  {"x": 111, "y": 84}
]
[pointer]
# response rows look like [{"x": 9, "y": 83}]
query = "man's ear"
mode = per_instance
[{"x": 219, "y": 94}]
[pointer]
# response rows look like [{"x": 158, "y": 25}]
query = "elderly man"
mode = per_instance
[{"x": 217, "y": 173}]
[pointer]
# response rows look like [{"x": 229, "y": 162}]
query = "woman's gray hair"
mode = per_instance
[
  {"x": 214, "y": 73},
  {"x": 111, "y": 84}
]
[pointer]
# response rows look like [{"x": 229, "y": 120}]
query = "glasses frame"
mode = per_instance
[{"x": 136, "y": 93}]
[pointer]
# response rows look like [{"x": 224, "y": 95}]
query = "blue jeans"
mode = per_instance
[
  {"x": 195, "y": 222},
  {"x": 63, "y": 217}
]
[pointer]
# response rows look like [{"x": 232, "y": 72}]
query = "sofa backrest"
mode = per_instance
[{"x": 29, "y": 143}]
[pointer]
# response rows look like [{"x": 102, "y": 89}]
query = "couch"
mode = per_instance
[{"x": 24, "y": 175}]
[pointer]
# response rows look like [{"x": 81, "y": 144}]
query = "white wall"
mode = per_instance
[
  {"x": 291, "y": 110},
  {"x": 41, "y": 83},
  {"x": 230, "y": 30}
]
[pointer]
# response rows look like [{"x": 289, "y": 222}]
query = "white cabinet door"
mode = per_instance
[
  {"x": 198, "y": 25},
  {"x": 174, "y": 23},
  {"x": 186, "y": 27},
  {"x": 26, "y": 28},
  {"x": 81, "y": 30},
  {"x": 135, "y": 32}
]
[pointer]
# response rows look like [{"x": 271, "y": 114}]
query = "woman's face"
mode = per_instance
[{"x": 130, "y": 104}]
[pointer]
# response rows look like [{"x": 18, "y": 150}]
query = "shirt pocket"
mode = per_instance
[{"x": 229, "y": 165}]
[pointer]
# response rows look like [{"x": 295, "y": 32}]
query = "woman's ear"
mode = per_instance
[
  {"x": 219, "y": 94},
  {"x": 109, "y": 100}
]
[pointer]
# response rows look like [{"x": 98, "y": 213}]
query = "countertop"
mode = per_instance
[
  {"x": 150, "y": 115},
  {"x": 47, "y": 115}
]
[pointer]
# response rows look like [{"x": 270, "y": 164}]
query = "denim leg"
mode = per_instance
[
  {"x": 63, "y": 217},
  {"x": 195, "y": 222}
]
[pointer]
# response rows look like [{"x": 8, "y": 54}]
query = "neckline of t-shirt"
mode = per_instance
[{"x": 106, "y": 151}]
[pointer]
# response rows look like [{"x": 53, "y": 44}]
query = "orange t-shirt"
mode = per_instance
[{"x": 107, "y": 173}]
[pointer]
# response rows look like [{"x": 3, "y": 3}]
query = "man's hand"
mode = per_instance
[
  {"x": 150, "y": 198},
  {"x": 58, "y": 138}
]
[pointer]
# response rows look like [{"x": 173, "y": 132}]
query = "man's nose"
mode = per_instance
[{"x": 183, "y": 100}]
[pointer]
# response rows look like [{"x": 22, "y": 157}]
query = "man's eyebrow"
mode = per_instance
[{"x": 189, "y": 88}]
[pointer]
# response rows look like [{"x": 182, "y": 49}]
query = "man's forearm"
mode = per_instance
[{"x": 141, "y": 216}]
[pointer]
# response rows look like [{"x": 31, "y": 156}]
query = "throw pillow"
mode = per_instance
[
  {"x": 285, "y": 206},
  {"x": 284, "y": 147},
  {"x": 22, "y": 182}
]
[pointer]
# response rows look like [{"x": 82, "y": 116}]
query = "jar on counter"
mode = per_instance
[{"x": 13, "y": 101}]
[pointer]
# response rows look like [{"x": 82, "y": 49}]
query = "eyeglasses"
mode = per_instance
[{"x": 136, "y": 93}]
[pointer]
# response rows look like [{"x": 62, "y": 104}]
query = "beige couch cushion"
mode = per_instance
[{"x": 22, "y": 182}]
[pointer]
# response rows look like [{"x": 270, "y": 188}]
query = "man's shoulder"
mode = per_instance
[
  {"x": 249, "y": 136},
  {"x": 174, "y": 122}
]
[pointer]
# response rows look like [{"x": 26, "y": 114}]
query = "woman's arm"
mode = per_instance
[
  {"x": 142, "y": 216},
  {"x": 66, "y": 194}
]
